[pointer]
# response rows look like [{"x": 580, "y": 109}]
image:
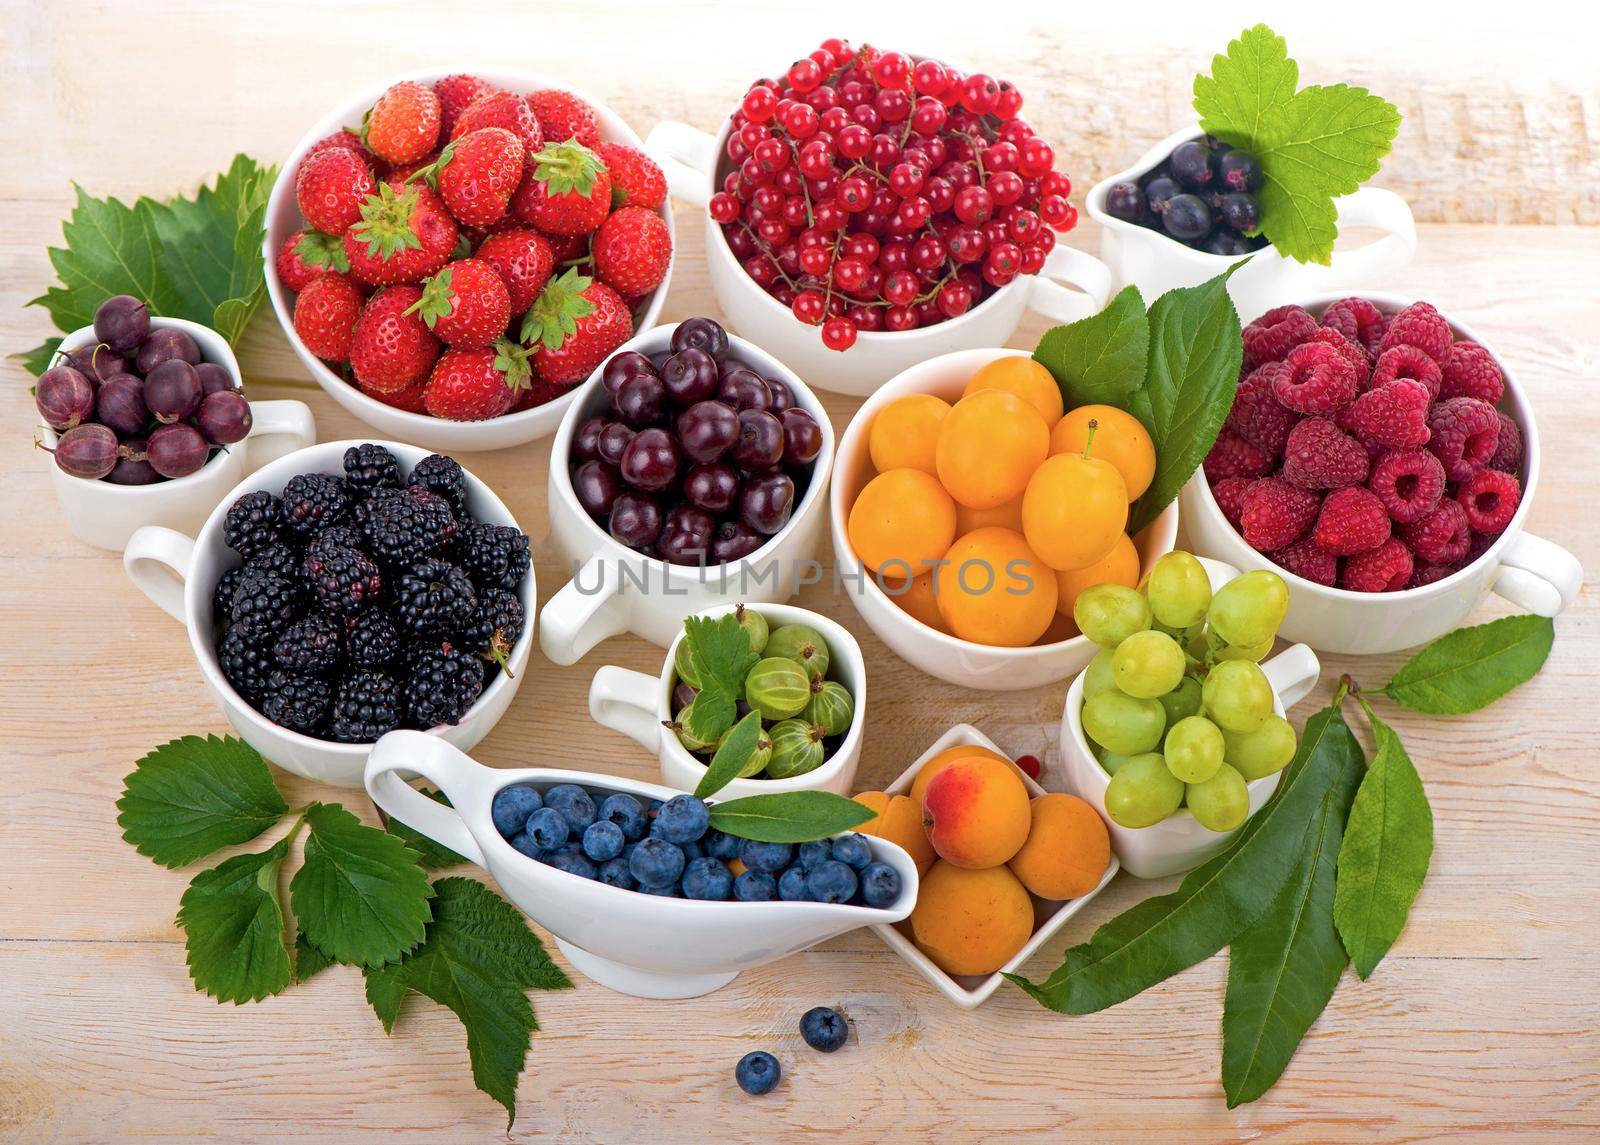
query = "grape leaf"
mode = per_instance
[
  {"x": 1099, "y": 359},
  {"x": 788, "y": 816},
  {"x": 360, "y": 895},
  {"x": 308, "y": 960},
  {"x": 233, "y": 927},
  {"x": 1388, "y": 843},
  {"x": 430, "y": 853},
  {"x": 1471, "y": 668},
  {"x": 731, "y": 756},
  {"x": 193, "y": 796}
]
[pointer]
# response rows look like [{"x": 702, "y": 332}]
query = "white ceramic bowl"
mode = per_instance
[
  {"x": 634, "y": 943},
  {"x": 283, "y": 219},
  {"x": 1073, "y": 285},
  {"x": 105, "y": 515},
  {"x": 1529, "y": 571},
  {"x": 1156, "y": 263},
  {"x": 972, "y": 990},
  {"x": 614, "y": 589},
  {"x": 982, "y": 666},
  {"x": 179, "y": 573},
  {"x": 638, "y": 705}
]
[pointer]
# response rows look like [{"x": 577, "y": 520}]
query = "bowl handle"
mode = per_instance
[
  {"x": 447, "y": 767},
  {"x": 575, "y": 619},
  {"x": 1540, "y": 576},
  {"x": 157, "y": 560},
  {"x": 624, "y": 701},
  {"x": 277, "y": 429},
  {"x": 1382, "y": 210},
  {"x": 1074, "y": 268},
  {"x": 1293, "y": 673},
  {"x": 687, "y": 155}
]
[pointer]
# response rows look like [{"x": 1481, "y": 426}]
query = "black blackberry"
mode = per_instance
[
  {"x": 367, "y": 706},
  {"x": 495, "y": 626},
  {"x": 343, "y": 580},
  {"x": 275, "y": 557},
  {"x": 443, "y": 683},
  {"x": 313, "y": 645},
  {"x": 444, "y": 477},
  {"x": 409, "y": 526},
  {"x": 313, "y": 501},
  {"x": 494, "y": 555},
  {"x": 372, "y": 638},
  {"x": 297, "y": 702},
  {"x": 222, "y": 595},
  {"x": 252, "y": 522},
  {"x": 345, "y": 533},
  {"x": 263, "y": 604},
  {"x": 435, "y": 597},
  {"x": 368, "y": 467},
  {"x": 246, "y": 664}
]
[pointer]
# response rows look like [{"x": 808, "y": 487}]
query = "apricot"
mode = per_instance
[
  {"x": 992, "y": 589},
  {"x": 1074, "y": 510},
  {"x": 904, "y": 520},
  {"x": 989, "y": 445},
  {"x": 1067, "y": 851},
  {"x": 1119, "y": 438},
  {"x": 971, "y": 922},
  {"x": 900, "y": 822},
  {"x": 905, "y": 433},
  {"x": 976, "y": 812},
  {"x": 1024, "y": 378},
  {"x": 1007, "y": 516},
  {"x": 916, "y": 598},
  {"x": 925, "y": 774},
  {"x": 1119, "y": 566}
]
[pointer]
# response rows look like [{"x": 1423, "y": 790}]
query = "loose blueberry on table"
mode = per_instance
[
  {"x": 757, "y": 1073},
  {"x": 824, "y": 1028},
  {"x": 1204, "y": 195}
]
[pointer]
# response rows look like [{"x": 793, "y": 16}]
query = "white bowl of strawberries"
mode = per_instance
[{"x": 452, "y": 272}]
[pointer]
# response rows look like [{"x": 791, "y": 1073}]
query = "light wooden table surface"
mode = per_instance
[{"x": 1484, "y": 1016}]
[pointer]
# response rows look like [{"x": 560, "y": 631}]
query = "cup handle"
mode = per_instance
[
  {"x": 1382, "y": 210},
  {"x": 1218, "y": 572},
  {"x": 157, "y": 560},
  {"x": 624, "y": 701},
  {"x": 445, "y": 766},
  {"x": 687, "y": 156},
  {"x": 574, "y": 621},
  {"x": 1066, "y": 267},
  {"x": 1539, "y": 576},
  {"x": 277, "y": 429},
  {"x": 1293, "y": 673}
]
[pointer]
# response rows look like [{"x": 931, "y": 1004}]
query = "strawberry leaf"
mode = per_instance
[
  {"x": 233, "y": 927},
  {"x": 385, "y": 224},
  {"x": 553, "y": 317},
  {"x": 436, "y": 300},
  {"x": 193, "y": 796},
  {"x": 318, "y": 249},
  {"x": 567, "y": 168},
  {"x": 512, "y": 361}
]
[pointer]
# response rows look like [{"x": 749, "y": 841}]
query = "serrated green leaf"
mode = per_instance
[
  {"x": 788, "y": 816},
  {"x": 1388, "y": 843},
  {"x": 39, "y": 359},
  {"x": 360, "y": 895},
  {"x": 1246, "y": 86},
  {"x": 1471, "y": 668},
  {"x": 308, "y": 960},
  {"x": 731, "y": 756},
  {"x": 233, "y": 927},
  {"x": 710, "y": 713},
  {"x": 1099, "y": 359},
  {"x": 430, "y": 853},
  {"x": 193, "y": 796},
  {"x": 719, "y": 648}
]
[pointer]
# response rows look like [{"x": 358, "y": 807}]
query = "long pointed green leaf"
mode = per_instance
[{"x": 1471, "y": 668}]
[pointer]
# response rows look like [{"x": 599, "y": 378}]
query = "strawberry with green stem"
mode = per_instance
[
  {"x": 476, "y": 174},
  {"x": 474, "y": 385},
  {"x": 403, "y": 125},
  {"x": 405, "y": 233},
  {"x": 391, "y": 349},
  {"x": 572, "y": 327},
  {"x": 567, "y": 191},
  {"x": 466, "y": 305},
  {"x": 308, "y": 255}
]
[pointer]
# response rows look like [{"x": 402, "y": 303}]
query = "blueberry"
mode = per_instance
[
  {"x": 757, "y": 1073},
  {"x": 852, "y": 851},
  {"x": 814, "y": 852},
  {"x": 831, "y": 882},
  {"x": 707, "y": 878},
  {"x": 602, "y": 841},
  {"x": 880, "y": 885},
  {"x": 753, "y": 887},
  {"x": 570, "y": 861},
  {"x": 614, "y": 872},
  {"x": 512, "y": 806},
  {"x": 667, "y": 892},
  {"x": 765, "y": 858},
  {"x": 653, "y": 806},
  {"x": 682, "y": 819},
  {"x": 792, "y": 885},
  {"x": 656, "y": 863},
  {"x": 527, "y": 844},
  {"x": 574, "y": 804},
  {"x": 692, "y": 850},
  {"x": 824, "y": 1029},
  {"x": 721, "y": 844},
  {"x": 548, "y": 828},
  {"x": 626, "y": 812}
]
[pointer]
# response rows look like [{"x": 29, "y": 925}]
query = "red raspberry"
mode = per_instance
[
  {"x": 1271, "y": 337},
  {"x": 1320, "y": 455},
  {"x": 1233, "y": 456},
  {"x": 1508, "y": 446},
  {"x": 1472, "y": 372},
  {"x": 1465, "y": 435},
  {"x": 1393, "y": 414},
  {"x": 1352, "y": 520},
  {"x": 1406, "y": 362},
  {"x": 1490, "y": 499},
  {"x": 1410, "y": 483},
  {"x": 1229, "y": 494},
  {"x": 1422, "y": 326},
  {"x": 1304, "y": 559},
  {"x": 1386, "y": 568},
  {"x": 1315, "y": 379},
  {"x": 1257, "y": 415},
  {"x": 1442, "y": 537},
  {"x": 1424, "y": 573},
  {"x": 1277, "y": 513},
  {"x": 1354, "y": 354},
  {"x": 1479, "y": 545},
  {"x": 1358, "y": 320}
]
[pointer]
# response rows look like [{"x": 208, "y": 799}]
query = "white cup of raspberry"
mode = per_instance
[{"x": 1382, "y": 458}]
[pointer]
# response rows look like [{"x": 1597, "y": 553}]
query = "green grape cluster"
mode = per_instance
[{"x": 1175, "y": 703}]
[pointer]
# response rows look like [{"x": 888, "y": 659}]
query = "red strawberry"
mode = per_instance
[
  {"x": 501, "y": 109},
  {"x": 636, "y": 181},
  {"x": 563, "y": 116},
  {"x": 572, "y": 326},
  {"x": 331, "y": 187},
  {"x": 405, "y": 172},
  {"x": 405, "y": 234},
  {"x": 456, "y": 93},
  {"x": 632, "y": 250},
  {"x": 566, "y": 248},
  {"x": 477, "y": 173},
  {"x": 408, "y": 399},
  {"x": 523, "y": 259},
  {"x": 325, "y": 314},
  {"x": 566, "y": 191},
  {"x": 390, "y": 349},
  {"x": 344, "y": 138},
  {"x": 308, "y": 255},
  {"x": 403, "y": 125},
  {"x": 474, "y": 385},
  {"x": 465, "y": 304}
]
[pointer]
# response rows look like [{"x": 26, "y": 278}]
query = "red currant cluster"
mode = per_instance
[{"x": 868, "y": 192}]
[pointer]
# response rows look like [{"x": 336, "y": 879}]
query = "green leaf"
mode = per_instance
[
  {"x": 1388, "y": 843},
  {"x": 719, "y": 648},
  {"x": 233, "y": 927},
  {"x": 1217, "y": 901},
  {"x": 477, "y": 959},
  {"x": 1195, "y": 354},
  {"x": 731, "y": 756},
  {"x": 193, "y": 796},
  {"x": 430, "y": 853},
  {"x": 553, "y": 317},
  {"x": 308, "y": 960},
  {"x": 1099, "y": 359},
  {"x": 360, "y": 896},
  {"x": 1471, "y": 668},
  {"x": 39, "y": 359},
  {"x": 789, "y": 816}
]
